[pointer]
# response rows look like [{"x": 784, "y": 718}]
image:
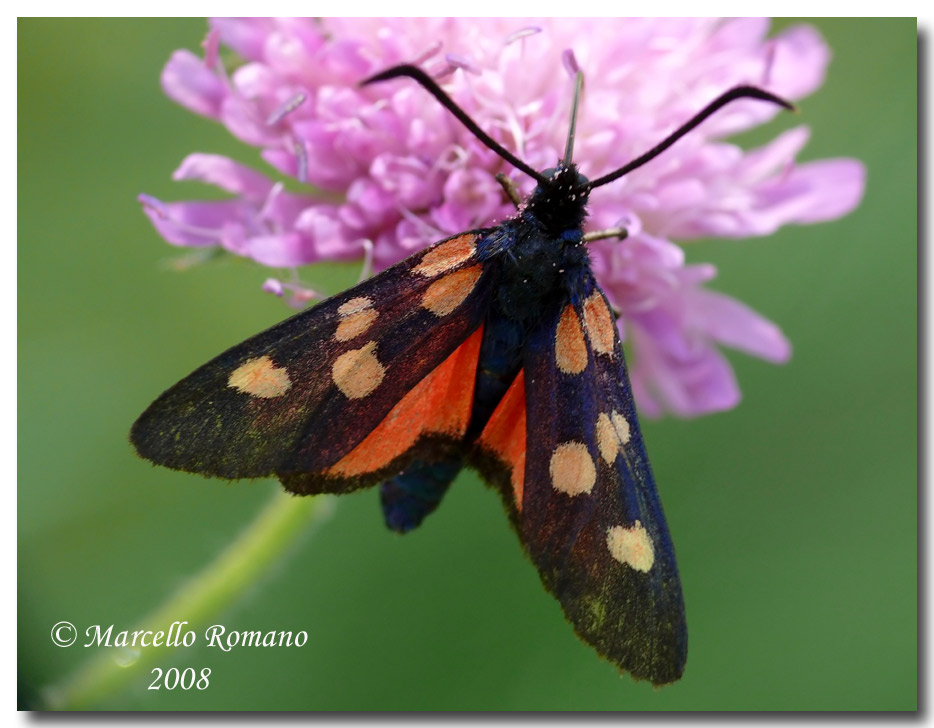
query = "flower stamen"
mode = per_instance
[
  {"x": 520, "y": 34},
  {"x": 285, "y": 109},
  {"x": 302, "y": 161},
  {"x": 299, "y": 294},
  {"x": 462, "y": 63}
]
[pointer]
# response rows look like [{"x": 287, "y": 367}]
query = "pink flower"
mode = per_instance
[{"x": 388, "y": 171}]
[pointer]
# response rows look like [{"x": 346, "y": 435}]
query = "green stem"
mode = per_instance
[{"x": 218, "y": 585}]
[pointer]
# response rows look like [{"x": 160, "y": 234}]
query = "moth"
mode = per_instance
[{"x": 494, "y": 349}]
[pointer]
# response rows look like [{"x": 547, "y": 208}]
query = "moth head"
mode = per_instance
[{"x": 566, "y": 176}]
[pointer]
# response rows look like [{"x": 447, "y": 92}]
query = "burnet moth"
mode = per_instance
[{"x": 494, "y": 349}]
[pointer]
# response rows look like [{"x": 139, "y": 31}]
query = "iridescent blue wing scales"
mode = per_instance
[{"x": 590, "y": 514}]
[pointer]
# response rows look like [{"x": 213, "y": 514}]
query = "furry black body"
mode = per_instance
[{"x": 542, "y": 264}]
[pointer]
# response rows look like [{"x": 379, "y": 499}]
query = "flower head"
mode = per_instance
[{"x": 387, "y": 171}]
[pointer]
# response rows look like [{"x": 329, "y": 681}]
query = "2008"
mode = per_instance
[{"x": 185, "y": 679}]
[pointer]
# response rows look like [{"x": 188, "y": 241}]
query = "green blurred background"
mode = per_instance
[{"x": 794, "y": 515}]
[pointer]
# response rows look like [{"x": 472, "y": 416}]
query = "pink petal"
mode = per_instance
[
  {"x": 329, "y": 165},
  {"x": 807, "y": 193},
  {"x": 247, "y": 36},
  {"x": 735, "y": 325},
  {"x": 740, "y": 33},
  {"x": 471, "y": 197},
  {"x": 372, "y": 205},
  {"x": 329, "y": 236},
  {"x": 759, "y": 163},
  {"x": 697, "y": 382},
  {"x": 816, "y": 192},
  {"x": 247, "y": 121},
  {"x": 187, "y": 81},
  {"x": 195, "y": 224},
  {"x": 293, "y": 48},
  {"x": 256, "y": 81},
  {"x": 225, "y": 173},
  {"x": 409, "y": 179},
  {"x": 282, "y": 209},
  {"x": 799, "y": 62},
  {"x": 286, "y": 250}
]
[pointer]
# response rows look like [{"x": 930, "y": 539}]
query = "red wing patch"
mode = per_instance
[
  {"x": 504, "y": 436},
  {"x": 296, "y": 399},
  {"x": 440, "y": 404}
]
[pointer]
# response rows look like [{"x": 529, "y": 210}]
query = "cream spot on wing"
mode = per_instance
[
  {"x": 599, "y": 325},
  {"x": 570, "y": 348},
  {"x": 354, "y": 305},
  {"x": 631, "y": 546},
  {"x": 612, "y": 434},
  {"x": 355, "y": 324},
  {"x": 446, "y": 294},
  {"x": 358, "y": 372},
  {"x": 607, "y": 439},
  {"x": 622, "y": 428},
  {"x": 260, "y": 377},
  {"x": 572, "y": 470},
  {"x": 446, "y": 256},
  {"x": 356, "y": 317}
]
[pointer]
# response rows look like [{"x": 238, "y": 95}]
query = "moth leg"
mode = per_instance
[
  {"x": 618, "y": 232},
  {"x": 410, "y": 496},
  {"x": 509, "y": 187}
]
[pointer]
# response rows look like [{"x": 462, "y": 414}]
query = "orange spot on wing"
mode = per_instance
[
  {"x": 358, "y": 372},
  {"x": 260, "y": 377},
  {"x": 354, "y": 305},
  {"x": 352, "y": 326},
  {"x": 570, "y": 348},
  {"x": 599, "y": 324},
  {"x": 504, "y": 435},
  {"x": 572, "y": 469},
  {"x": 446, "y": 294},
  {"x": 440, "y": 403},
  {"x": 446, "y": 256}
]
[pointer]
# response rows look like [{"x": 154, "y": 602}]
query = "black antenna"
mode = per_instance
[
  {"x": 740, "y": 92},
  {"x": 417, "y": 74},
  {"x": 434, "y": 89}
]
